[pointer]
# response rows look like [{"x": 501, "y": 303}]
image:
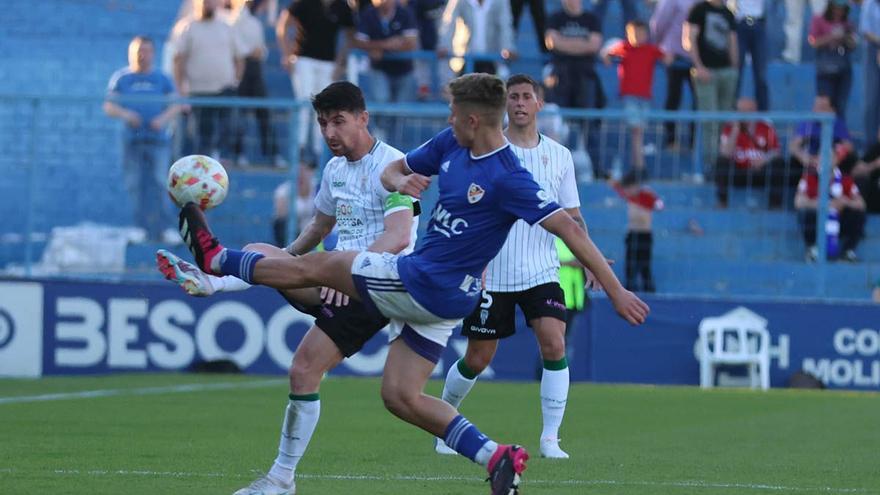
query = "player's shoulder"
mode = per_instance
[
  {"x": 385, "y": 153},
  {"x": 555, "y": 149},
  {"x": 550, "y": 143}
]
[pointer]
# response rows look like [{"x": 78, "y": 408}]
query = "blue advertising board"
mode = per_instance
[{"x": 74, "y": 327}]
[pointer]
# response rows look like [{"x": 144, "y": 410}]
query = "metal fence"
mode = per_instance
[{"x": 61, "y": 161}]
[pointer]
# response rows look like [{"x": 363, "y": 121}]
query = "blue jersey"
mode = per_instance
[
  {"x": 480, "y": 199},
  {"x": 153, "y": 83}
]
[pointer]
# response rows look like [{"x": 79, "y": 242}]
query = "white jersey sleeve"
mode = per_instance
[
  {"x": 324, "y": 201},
  {"x": 568, "y": 190}
]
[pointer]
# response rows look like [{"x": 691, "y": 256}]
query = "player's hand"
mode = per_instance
[
  {"x": 413, "y": 185},
  {"x": 333, "y": 297},
  {"x": 630, "y": 307}
]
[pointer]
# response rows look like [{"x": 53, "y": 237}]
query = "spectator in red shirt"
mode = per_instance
[
  {"x": 749, "y": 156},
  {"x": 641, "y": 202},
  {"x": 636, "y": 74},
  {"x": 845, "y": 200}
]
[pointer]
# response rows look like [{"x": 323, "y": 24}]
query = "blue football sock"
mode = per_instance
[
  {"x": 464, "y": 437},
  {"x": 240, "y": 264}
]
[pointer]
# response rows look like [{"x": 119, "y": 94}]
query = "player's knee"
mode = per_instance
[
  {"x": 397, "y": 400},
  {"x": 553, "y": 348},
  {"x": 305, "y": 376}
]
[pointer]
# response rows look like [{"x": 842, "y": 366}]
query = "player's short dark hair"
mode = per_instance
[
  {"x": 483, "y": 91},
  {"x": 525, "y": 79},
  {"x": 341, "y": 96},
  {"x": 637, "y": 24}
]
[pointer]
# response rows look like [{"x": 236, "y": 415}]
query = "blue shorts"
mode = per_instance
[{"x": 635, "y": 107}]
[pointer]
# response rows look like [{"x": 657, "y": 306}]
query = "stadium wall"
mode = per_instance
[{"x": 71, "y": 328}]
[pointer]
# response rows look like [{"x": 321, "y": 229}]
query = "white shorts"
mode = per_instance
[{"x": 378, "y": 283}]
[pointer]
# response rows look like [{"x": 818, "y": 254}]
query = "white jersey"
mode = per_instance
[
  {"x": 528, "y": 257},
  {"x": 353, "y": 193}
]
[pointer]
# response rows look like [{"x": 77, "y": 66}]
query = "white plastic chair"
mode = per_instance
[{"x": 739, "y": 337}]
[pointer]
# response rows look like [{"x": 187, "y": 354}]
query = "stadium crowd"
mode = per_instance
[{"x": 218, "y": 48}]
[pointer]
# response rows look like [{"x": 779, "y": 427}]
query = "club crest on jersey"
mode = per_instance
[
  {"x": 545, "y": 160},
  {"x": 475, "y": 193}
]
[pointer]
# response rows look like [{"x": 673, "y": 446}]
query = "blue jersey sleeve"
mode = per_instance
[
  {"x": 524, "y": 198},
  {"x": 427, "y": 158}
]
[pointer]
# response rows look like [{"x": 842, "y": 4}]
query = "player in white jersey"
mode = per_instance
[
  {"x": 526, "y": 273},
  {"x": 367, "y": 217},
  {"x": 483, "y": 190}
]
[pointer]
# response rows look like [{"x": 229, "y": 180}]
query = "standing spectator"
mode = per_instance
[
  {"x": 536, "y": 7},
  {"x": 428, "y": 14},
  {"x": 834, "y": 38},
  {"x": 146, "y": 151},
  {"x": 869, "y": 27},
  {"x": 251, "y": 35},
  {"x": 794, "y": 26},
  {"x": 636, "y": 74},
  {"x": 488, "y": 30},
  {"x": 710, "y": 32},
  {"x": 750, "y": 157},
  {"x": 630, "y": 12},
  {"x": 208, "y": 63},
  {"x": 666, "y": 25},
  {"x": 574, "y": 38},
  {"x": 388, "y": 28},
  {"x": 846, "y": 205},
  {"x": 641, "y": 202},
  {"x": 751, "y": 33},
  {"x": 312, "y": 57}
]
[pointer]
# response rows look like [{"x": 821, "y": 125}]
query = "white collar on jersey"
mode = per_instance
[
  {"x": 506, "y": 144},
  {"x": 372, "y": 150}
]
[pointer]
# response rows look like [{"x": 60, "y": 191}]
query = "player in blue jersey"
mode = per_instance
[{"x": 483, "y": 191}]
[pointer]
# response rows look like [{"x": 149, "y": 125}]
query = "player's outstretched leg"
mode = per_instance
[{"x": 328, "y": 269}]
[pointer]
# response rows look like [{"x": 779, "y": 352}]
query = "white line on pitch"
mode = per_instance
[
  {"x": 367, "y": 477},
  {"x": 115, "y": 392}
]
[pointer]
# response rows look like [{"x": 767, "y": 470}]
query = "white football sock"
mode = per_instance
[
  {"x": 227, "y": 283},
  {"x": 485, "y": 453},
  {"x": 457, "y": 386},
  {"x": 554, "y": 395},
  {"x": 300, "y": 420}
]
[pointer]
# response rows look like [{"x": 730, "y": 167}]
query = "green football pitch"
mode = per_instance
[{"x": 192, "y": 434}]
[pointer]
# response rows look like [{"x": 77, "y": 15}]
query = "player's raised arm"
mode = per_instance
[
  {"x": 397, "y": 177},
  {"x": 627, "y": 304}
]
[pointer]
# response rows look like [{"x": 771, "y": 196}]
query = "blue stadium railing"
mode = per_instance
[{"x": 29, "y": 160}]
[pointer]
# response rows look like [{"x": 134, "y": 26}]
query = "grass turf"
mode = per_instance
[{"x": 622, "y": 439}]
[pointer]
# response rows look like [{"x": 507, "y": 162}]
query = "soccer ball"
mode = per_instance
[{"x": 199, "y": 179}]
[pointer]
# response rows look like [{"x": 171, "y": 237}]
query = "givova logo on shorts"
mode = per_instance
[{"x": 21, "y": 329}]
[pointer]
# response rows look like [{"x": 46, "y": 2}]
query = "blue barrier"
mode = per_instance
[{"x": 70, "y": 328}]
